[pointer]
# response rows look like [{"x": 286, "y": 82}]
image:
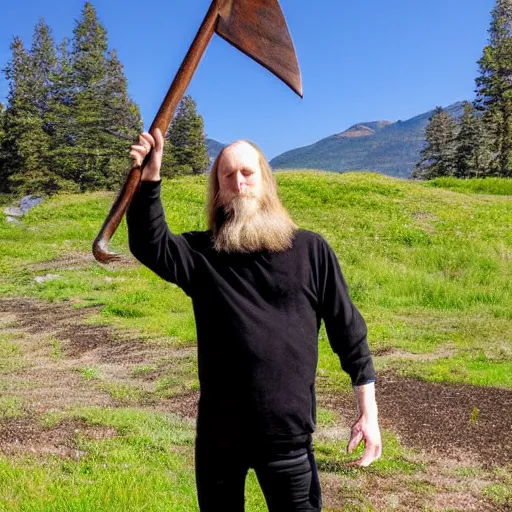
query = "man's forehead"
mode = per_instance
[{"x": 239, "y": 155}]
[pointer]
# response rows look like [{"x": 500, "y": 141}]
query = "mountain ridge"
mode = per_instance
[{"x": 387, "y": 147}]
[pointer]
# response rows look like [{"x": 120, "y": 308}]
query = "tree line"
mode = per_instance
[
  {"x": 479, "y": 144},
  {"x": 69, "y": 120}
]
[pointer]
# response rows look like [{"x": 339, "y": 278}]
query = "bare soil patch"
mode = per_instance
[
  {"x": 57, "y": 348},
  {"x": 461, "y": 422},
  {"x": 80, "y": 260},
  {"x": 26, "y": 435}
]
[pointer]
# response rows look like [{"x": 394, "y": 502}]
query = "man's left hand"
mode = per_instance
[{"x": 366, "y": 429}]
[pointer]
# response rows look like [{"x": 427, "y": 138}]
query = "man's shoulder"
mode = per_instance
[{"x": 309, "y": 238}]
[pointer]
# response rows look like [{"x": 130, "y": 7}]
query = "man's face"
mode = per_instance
[{"x": 239, "y": 173}]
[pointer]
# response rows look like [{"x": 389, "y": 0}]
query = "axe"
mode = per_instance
[{"x": 258, "y": 29}]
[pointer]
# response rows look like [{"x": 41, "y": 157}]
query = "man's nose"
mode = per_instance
[{"x": 241, "y": 184}]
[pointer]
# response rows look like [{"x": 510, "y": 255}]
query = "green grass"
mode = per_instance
[
  {"x": 10, "y": 408},
  {"x": 147, "y": 465},
  {"x": 89, "y": 373},
  {"x": 431, "y": 269},
  {"x": 332, "y": 457},
  {"x": 496, "y": 186},
  {"x": 9, "y": 354}
]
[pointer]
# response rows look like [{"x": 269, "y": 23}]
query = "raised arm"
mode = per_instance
[{"x": 151, "y": 241}]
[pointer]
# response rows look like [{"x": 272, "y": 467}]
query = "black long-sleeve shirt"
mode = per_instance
[{"x": 257, "y": 318}]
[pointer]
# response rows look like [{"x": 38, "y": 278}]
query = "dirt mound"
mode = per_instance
[{"x": 458, "y": 421}]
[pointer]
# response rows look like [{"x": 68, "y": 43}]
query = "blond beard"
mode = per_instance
[{"x": 250, "y": 224}]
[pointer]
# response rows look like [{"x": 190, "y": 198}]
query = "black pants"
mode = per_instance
[{"x": 288, "y": 477}]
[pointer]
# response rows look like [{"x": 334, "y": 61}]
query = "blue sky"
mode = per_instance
[{"x": 360, "y": 61}]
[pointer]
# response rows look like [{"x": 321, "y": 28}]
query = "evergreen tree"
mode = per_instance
[
  {"x": 105, "y": 120},
  {"x": 88, "y": 80},
  {"x": 122, "y": 122},
  {"x": 25, "y": 142},
  {"x": 494, "y": 87},
  {"x": 169, "y": 167},
  {"x": 472, "y": 158},
  {"x": 186, "y": 139},
  {"x": 40, "y": 177},
  {"x": 2, "y": 138},
  {"x": 44, "y": 60},
  {"x": 26, "y": 145},
  {"x": 438, "y": 156},
  {"x": 2, "y": 115},
  {"x": 69, "y": 121},
  {"x": 64, "y": 155}
]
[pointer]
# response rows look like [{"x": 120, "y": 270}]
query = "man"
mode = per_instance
[{"x": 260, "y": 288}]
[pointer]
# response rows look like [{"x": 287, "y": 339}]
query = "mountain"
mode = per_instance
[
  {"x": 391, "y": 148},
  {"x": 214, "y": 148}
]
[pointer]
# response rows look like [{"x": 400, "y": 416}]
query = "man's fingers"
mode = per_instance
[
  {"x": 159, "y": 140},
  {"x": 356, "y": 438},
  {"x": 148, "y": 149},
  {"x": 146, "y": 140},
  {"x": 136, "y": 155},
  {"x": 371, "y": 454},
  {"x": 365, "y": 460}
]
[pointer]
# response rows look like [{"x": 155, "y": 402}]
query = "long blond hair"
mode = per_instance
[{"x": 280, "y": 226}]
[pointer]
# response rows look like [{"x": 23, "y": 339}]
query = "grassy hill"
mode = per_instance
[{"x": 428, "y": 264}]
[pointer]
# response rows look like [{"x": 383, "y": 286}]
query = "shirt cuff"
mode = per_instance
[{"x": 369, "y": 381}]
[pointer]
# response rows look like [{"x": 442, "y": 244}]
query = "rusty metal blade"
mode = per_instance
[{"x": 258, "y": 29}]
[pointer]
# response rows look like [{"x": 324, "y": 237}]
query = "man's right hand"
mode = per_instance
[{"x": 147, "y": 143}]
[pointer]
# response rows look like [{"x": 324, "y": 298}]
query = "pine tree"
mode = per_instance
[
  {"x": 438, "y": 157},
  {"x": 64, "y": 159},
  {"x": 88, "y": 80},
  {"x": 44, "y": 60},
  {"x": 25, "y": 141},
  {"x": 2, "y": 115},
  {"x": 69, "y": 122},
  {"x": 2, "y": 156},
  {"x": 26, "y": 145},
  {"x": 40, "y": 177},
  {"x": 186, "y": 139},
  {"x": 494, "y": 87},
  {"x": 14, "y": 72},
  {"x": 472, "y": 158},
  {"x": 105, "y": 119},
  {"x": 122, "y": 122}
]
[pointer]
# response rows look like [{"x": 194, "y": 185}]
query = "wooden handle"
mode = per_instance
[{"x": 162, "y": 121}]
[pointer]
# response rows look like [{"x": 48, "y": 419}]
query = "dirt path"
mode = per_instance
[{"x": 449, "y": 426}]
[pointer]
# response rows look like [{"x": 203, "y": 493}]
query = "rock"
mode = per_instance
[
  {"x": 29, "y": 202},
  {"x": 14, "y": 211},
  {"x": 47, "y": 277}
]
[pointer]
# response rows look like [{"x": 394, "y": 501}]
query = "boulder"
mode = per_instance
[
  {"x": 14, "y": 213},
  {"x": 29, "y": 202}
]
